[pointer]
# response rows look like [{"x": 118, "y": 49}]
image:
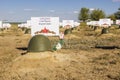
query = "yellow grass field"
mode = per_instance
[{"x": 86, "y": 55}]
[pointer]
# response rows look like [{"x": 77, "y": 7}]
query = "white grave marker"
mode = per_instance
[
  {"x": 95, "y": 23},
  {"x": 6, "y": 25},
  {"x": 105, "y": 22},
  {"x": 1, "y": 24},
  {"x": 28, "y": 23},
  {"x": 118, "y": 22},
  {"x": 76, "y": 24},
  {"x": 48, "y": 26},
  {"x": 68, "y": 23}
]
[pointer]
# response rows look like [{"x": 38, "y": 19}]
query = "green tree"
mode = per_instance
[
  {"x": 97, "y": 14},
  {"x": 117, "y": 14},
  {"x": 84, "y": 14},
  {"x": 112, "y": 17}
]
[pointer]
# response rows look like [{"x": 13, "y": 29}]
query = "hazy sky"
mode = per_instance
[{"x": 22, "y": 10}]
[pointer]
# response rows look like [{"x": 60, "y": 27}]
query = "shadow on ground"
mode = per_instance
[
  {"x": 22, "y": 48},
  {"x": 107, "y": 47}
]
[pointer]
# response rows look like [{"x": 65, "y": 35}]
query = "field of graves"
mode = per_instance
[{"x": 86, "y": 55}]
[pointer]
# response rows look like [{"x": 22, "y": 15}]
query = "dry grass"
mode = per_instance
[{"x": 79, "y": 59}]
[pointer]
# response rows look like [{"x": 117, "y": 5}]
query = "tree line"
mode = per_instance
[{"x": 86, "y": 14}]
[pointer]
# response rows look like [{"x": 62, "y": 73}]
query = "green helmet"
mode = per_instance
[
  {"x": 27, "y": 31},
  {"x": 39, "y": 43},
  {"x": 67, "y": 31}
]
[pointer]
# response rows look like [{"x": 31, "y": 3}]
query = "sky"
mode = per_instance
[{"x": 23, "y": 10}]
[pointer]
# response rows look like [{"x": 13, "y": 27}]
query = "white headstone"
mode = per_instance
[
  {"x": 60, "y": 24},
  {"x": 28, "y": 23},
  {"x": 89, "y": 23},
  {"x": 48, "y": 26},
  {"x": 76, "y": 24},
  {"x": 6, "y": 25},
  {"x": 95, "y": 23},
  {"x": 118, "y": 22},
  {"x": 68, "y": 23},
  {"x": 105, "y": 22},
  {"x": 1, "y": 24}
]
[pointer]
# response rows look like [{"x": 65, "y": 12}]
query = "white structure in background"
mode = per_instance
[
  {"x": 27, "y": 24},
  {"x": 6, "y": 25},
  {"x": 76, "y": 24},
  {"x": 1, "y": 24},
  {"x": 93, "y": 23},
  {"x": 118, "y": 22},
  {"x": 89, "y": 23},
  {"x": 112, "y": 22},
  {"x": 105, "y": 22},
  {"x": 60, "y": 24},
  {"x": 48, "y": 26},
  {"x": 69, "y": 23},
  {"x": 21, "y": 25},
  {"x": 101, "y": 23}
]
